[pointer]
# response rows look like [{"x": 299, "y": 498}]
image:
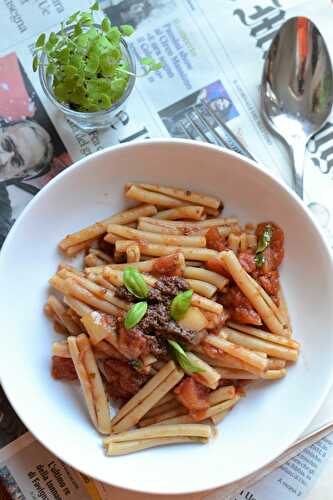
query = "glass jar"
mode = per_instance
[{"x": 96, "y": 119}]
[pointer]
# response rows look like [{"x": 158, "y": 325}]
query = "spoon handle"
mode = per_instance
[{"x": 298, "y": 151}]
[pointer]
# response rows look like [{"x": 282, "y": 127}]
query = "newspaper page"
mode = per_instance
[
  {"x": 203, "y": 62},
  {"x": 293, "y": 479},
  {"x": 29, "y": 471}
]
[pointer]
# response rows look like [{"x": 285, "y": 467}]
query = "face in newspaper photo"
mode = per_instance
[
  {"x": 134, "y": 12},
  {"x": 31, "y": 151},
  {"x": 24, "y": 149}
]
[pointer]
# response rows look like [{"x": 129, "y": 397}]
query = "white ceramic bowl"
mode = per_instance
[{"x": 267, "y": 421}]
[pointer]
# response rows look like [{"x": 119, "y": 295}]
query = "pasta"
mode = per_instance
[{"x": 173, "y": 309}]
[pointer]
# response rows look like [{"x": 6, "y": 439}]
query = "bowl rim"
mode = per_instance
[{"x": 187, "y": 143}]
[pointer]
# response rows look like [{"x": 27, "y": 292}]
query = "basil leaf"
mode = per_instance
[
  {"x": 40, "y": 40},
  {"x": 106, "y": 24},
  {"x": 263, "y": 243},
  {"x": 135, "y": 283},
  {"x": 72, "y": 18},
  {"x": 183, "y": 360},
  {"x": 136, "y": 364},
  {"x": 259, "y": 259},
  {"x": 35, "y": 63},
  {"x": 95, "y": 6},
  {"x": 265, "y": 238},
  {"x": 126, "y": 29},
  {"x": 53, "y": 39},
  {"x": 135, "y": 314},
  {"x": 180, "y": 304}
]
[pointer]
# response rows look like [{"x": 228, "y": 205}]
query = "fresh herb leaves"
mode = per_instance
[
  {"x": 182, "y": 358},
  {"x": 180, "y": 305},
  {"x": 265, "y": 238},
  {"x": 263, "y": 243},
  {"x": 86, "y": 63},
  {"x": 135, "y": 314},
  {"x": 136, "y": 364},
  {"x": 135, "y": 283},
  {"x": 259, "y": 259},
  {"x": 150, "y": 64}
]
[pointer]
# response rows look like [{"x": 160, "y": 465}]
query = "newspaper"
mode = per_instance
[
  {"x": 212, "y": 51},
  {"x": 28, "y": 470}
]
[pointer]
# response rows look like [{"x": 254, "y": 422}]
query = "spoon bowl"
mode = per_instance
[{"x": 297, "y": 87}]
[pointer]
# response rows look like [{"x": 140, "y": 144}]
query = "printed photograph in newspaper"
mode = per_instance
[
  {"x": 31, "y": 151},
  {"x": 10, "y": 485},
  {"x": 181, "y": 120},
  {"x": 135, "y": 12},
  {"x": 30, "y": 471},
  {"x": 11, "y": 426}
]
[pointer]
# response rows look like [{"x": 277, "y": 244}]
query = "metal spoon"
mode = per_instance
[{"x": 297, "y": 88}]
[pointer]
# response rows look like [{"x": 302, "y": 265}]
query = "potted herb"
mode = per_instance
[{"x": 87, "y": 69}]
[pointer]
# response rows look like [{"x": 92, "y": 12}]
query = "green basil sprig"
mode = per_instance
[
  {"x": 183, "y": 360},
  {"x": 135, "y": 283},
  {"x": 265, "y": 238},
  {"x": 263, "y": 243},
  {"x": 259, "y": 259},
  {"x": 85, "y": 61},
  {"x": 135, "y": 314},
  {"x": 136, "y": 364},
  {"x": 180, "y": 304}
]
